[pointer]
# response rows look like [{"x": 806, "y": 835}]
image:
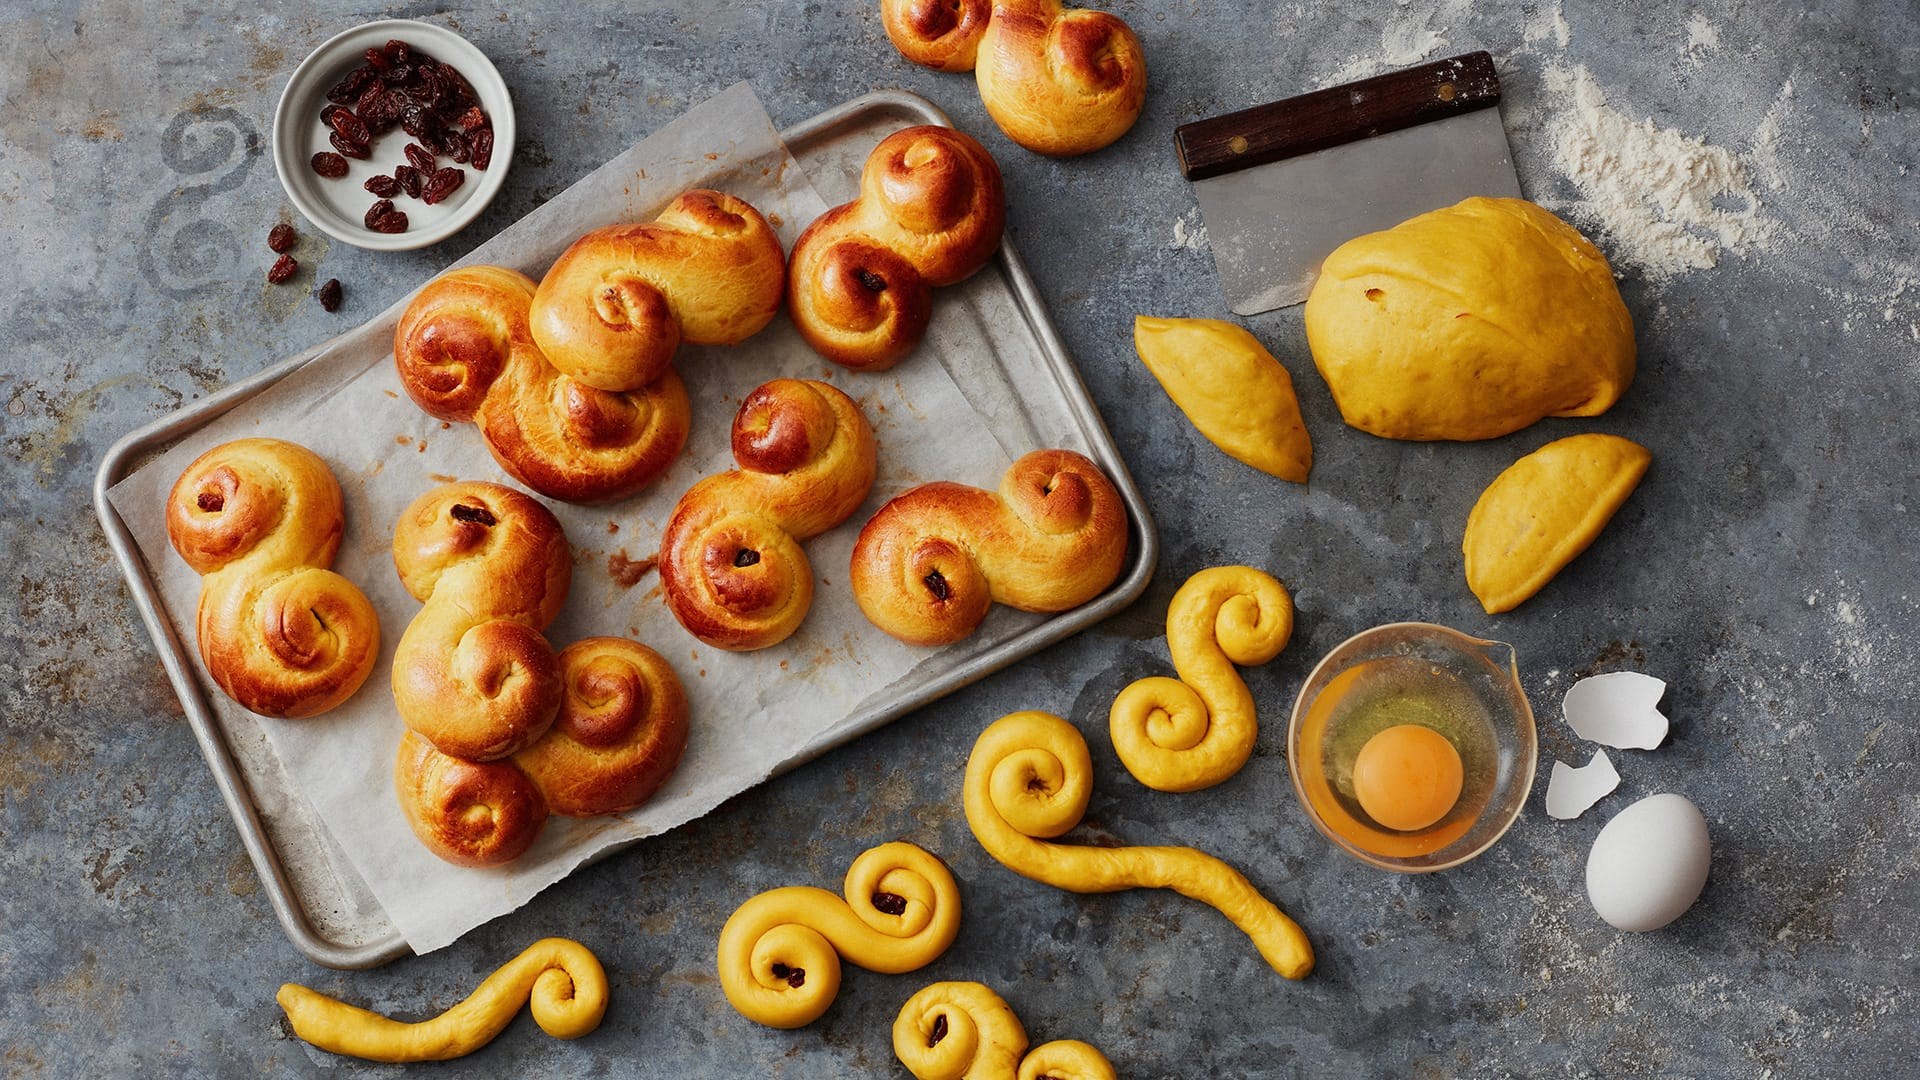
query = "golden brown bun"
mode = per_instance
[
  {"x": 1060, "y": 82},
  {"x": 621, "y": 731},
  {"x": 930, "y": 212},
  {"x": 931, "y": 562},
  {"x": 615, "y": 306},
  {"x": 940, "y": 34},
  {"x": 465, "y": 352},
  {"x": 731, "y": 564},
  {"x": 469, "y": 813},
  {"x": 472, "y": 673},
  {"x": 279, "y": 632}
]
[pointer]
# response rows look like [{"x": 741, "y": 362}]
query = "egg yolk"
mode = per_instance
[{"x": 1407, "y": 777}]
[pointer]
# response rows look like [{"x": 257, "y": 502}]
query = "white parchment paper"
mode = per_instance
[{"x": 752, "y": 712}]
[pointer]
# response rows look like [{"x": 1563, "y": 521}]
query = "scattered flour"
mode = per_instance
[
  {"x": 1189, "y": 232},
  {"x": 1548, "y": 21},
  {"x": 1407, "y": 36},
  {"x": 1668, "y": 202},
  {"x": 1702, "y": 38}
]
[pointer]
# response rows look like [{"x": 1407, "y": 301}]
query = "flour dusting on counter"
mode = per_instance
[
  {"x": 1668, "y": 202},
  {"x": 1189, "y": 232}
]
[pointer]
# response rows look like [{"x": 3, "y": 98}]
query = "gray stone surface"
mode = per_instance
[{"x": 1766, "y": 569}]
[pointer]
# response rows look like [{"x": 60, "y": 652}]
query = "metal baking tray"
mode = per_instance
[{"x": 837, "y": 139}]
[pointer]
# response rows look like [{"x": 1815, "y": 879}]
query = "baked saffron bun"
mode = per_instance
[
  {"x": 930, "y": 213},
  {"x": 928, "y": 566},
  {"x": 731, "y": 565},
  {"x": 465, "y": 352},
  {"x": 614, "y": 307},
  {"x": 620, "y": 733},
  {"x": 473, "y": 674},
  {"x": 280, "y": 633},
  {"x": 1058, "y": 81}
]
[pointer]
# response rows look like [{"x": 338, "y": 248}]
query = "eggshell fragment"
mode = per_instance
[
  {"x": 1571, "y": 792},
  {"x": 1617, "y": 709},
  {"x": 1649, "y": 864}
]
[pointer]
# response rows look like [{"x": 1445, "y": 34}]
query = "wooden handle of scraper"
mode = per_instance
[{"x": 1337, "y": 115}]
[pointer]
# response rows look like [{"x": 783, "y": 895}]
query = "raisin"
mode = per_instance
[
  {"x": 873, "y": 282},
  {"x": 282, "y": 269},
  {"x": 415, "y": 120},
  {"x": 472, "y": 514},
  {"x": 936, "y": 584},
  {"x": 430, "y": 85},
  {"x": 746, "y": 557},
  {"x": 377, "y": 211},
  {"x": 890, "y": 903},
  {"x": 280, "y": 237},
  {"x": 474, "y": 117},
  {"x": 330, "y": 295},
  {"x": 329, "y": 164},
  {"x": 377, "y": 60},
  {"x": 382, "y": 185},
  {"x": 358, "y": 151},
  {"x": 408, "y": 178},
  {"x": 795, "y": 977},
  {"x": 369, "y": 99},
  {"x": 482, "y": 141},
  {"x": 457, "y": 86},
  {"x": 211, "y": 501},
  {"x": 399, "y": 51},
  {"x": 441, "y": 184},
  {"x": 456, "y": 145},
  {"x": 349, "y": 87},
  {"x": 939, "y": 1031},
  {"x": 419, "y": 158},
  {"x": 395, "y": 221},
  {"x": 348, "y": 126},
  {"x": 398, "y": 74}
]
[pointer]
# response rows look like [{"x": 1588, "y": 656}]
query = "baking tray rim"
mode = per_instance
[{"x": 125, "y": 454}]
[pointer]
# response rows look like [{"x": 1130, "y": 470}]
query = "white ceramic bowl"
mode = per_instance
[{"x": 338, "y": 207}]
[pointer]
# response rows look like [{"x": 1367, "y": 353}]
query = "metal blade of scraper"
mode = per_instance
[{"x": 1282, "y": 185}]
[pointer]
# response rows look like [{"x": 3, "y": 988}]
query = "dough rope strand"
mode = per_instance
[
  {"x": 779, "y": 953},
  {"x": 1195, "y": 731},
  {"x": 965, "y": 1031},
  {"x": 562, "y": 981},
  {"x": 1029, "y": 779}
]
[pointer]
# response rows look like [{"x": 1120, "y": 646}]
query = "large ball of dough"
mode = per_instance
[{"x": 1468, "y": 323}]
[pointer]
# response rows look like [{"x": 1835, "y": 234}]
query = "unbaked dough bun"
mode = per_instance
[{"x": 1469, "y": 323}]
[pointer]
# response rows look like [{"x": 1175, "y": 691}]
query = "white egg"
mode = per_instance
[{"x": 1649, "y": 863}]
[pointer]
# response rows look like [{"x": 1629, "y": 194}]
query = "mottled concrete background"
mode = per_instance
[{"x": 1766, "y": 570}]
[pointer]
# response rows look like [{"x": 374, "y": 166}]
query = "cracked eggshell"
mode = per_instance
[
  {"x": 1617, "y": 709},
  {"x": 1572, "y": 792},
  {"x": 1649, "y": 864}
]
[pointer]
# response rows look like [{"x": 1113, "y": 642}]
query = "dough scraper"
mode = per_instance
[{"x": 1281, "y": 185}]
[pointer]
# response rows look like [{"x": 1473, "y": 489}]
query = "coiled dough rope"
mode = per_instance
[
  {"x": 780, "y": 952},
  {"x": 956, "y": 1030},
  {"x": 1028, "y": 780},
  {"x": 562, "y": 979},
  {"x": 1193, "y": 732}
]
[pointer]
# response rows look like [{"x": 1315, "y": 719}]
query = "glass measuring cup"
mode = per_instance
[{"x": 1466, "y": 688}]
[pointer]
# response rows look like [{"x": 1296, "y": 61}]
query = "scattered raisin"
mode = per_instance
[
  {"x": 395, "y": 221},
  {"x": 377, "y": 59},
  {"x": 282, "y": 269},
  {"x": 384, "y": 186},
  {"x": 330, "y": 295},
  {"x": 377, "y": 211},
  {"x": 349, "y": 88},
  {"x": 280, "y": 238},
  {"x": 456, "y": 145},
  {"x": 419, "y": 157},
  {"x": 457, "y": 86},
  {"x": 441, "y": 184},
  {"x": 475, "y": 117},
  {"x": 358, "y": 151},
  {"x": 408, "y": 178},
  {"x": 482, "y": 141},
  {"x": 399, "y": 51},
  {"x": 329, "y": 164}
]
